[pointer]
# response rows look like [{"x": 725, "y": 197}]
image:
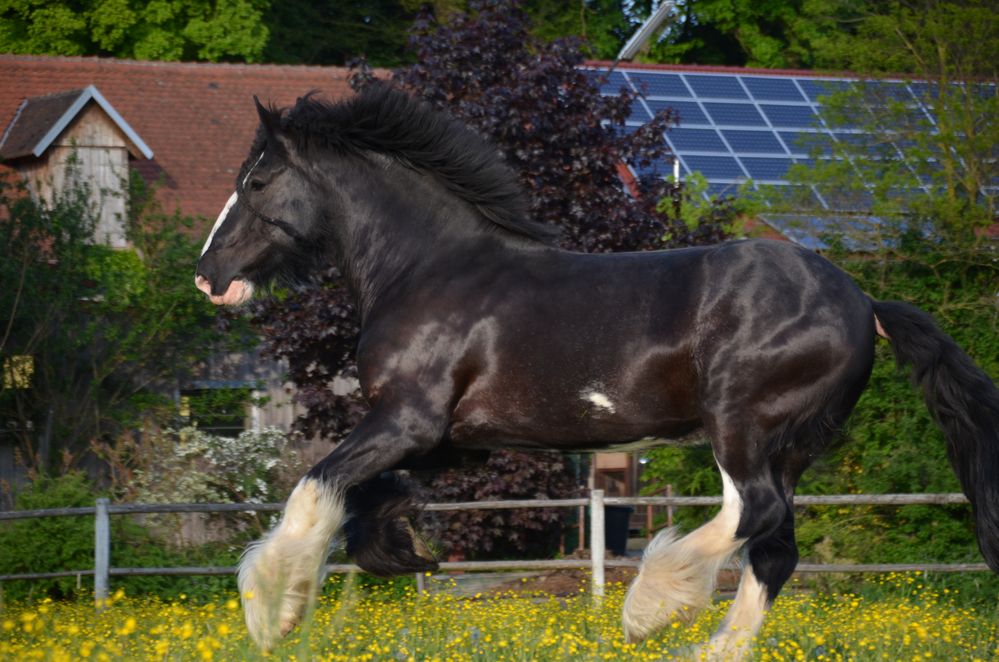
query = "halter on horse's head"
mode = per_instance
[{"x": 255, "y": 237}]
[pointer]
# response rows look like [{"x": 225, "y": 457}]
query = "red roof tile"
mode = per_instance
[
  {"x": 198, "y": 119},
  {"x": 34, "y": 118}
]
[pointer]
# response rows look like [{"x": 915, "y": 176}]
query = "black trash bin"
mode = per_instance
[{"x": 617, "y": 521}]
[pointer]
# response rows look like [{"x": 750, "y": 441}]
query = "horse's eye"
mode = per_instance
[{"x": 256, "y": 185}]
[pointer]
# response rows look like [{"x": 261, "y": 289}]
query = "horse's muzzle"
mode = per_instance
[{"x": 239, "y": 291}]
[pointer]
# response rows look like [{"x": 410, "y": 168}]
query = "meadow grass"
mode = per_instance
[{"x": 909, "y": 620}]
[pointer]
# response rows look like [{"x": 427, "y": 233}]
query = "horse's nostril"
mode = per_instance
[{"x": 202, "y": 284}]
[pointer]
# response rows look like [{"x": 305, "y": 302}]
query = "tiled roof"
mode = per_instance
[
  {"x": 40, "y": 120},
  {"x": 32, "y": 121},
  {"x": 198, "y": 119}
]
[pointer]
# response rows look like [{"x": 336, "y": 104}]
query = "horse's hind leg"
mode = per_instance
[
  {"x": 767, "y": 526},
  {"x": 770, "y": 560},
  {"x": 678, "y": 575}
]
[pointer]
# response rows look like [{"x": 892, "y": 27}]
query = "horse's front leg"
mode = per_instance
[{"x": 279, "y": 575}]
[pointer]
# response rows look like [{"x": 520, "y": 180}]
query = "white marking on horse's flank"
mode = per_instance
[
  {"x": 228, "y": 205},
  {"x": 599, "y": 399}
]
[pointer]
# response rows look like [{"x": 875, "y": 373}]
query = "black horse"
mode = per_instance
[{"x": 476, "y": 333}]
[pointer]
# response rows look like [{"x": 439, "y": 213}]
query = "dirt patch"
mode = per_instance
[{"x": 563, "y": 583}]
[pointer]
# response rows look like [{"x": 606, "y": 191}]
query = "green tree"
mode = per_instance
[
  {"x": 767, "y": 33},
  {"x": 231, "y": 30},
  {"x": 603, "y": 26},
  {"x": 93, "y": 339},
  {"x": 916, "y": 157},
  {"x": 305, "y": 32}
]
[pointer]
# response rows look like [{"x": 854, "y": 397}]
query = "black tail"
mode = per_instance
[{"x": 965, "y": 404}]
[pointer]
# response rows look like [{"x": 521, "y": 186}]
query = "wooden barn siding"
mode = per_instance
[
  {"x": 102, "y": 160},
  {"x": 102, "y": 151}
]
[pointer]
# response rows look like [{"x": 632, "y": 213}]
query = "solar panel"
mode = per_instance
[
  {"x": 738, "y": 114},
  {"x": 799, "y": 228},
  {"x": 786, "y": 116},
  {"x": 807, "y": 142},
  {"x": 846, "y": 199},
  {"x": 766, "y": 169},
  {"x": 611, "y": 84},
  {"x": 753, "y": 141},
  {"x": 658, "y": 170},
  {"x": 688, "y": 111},
  {"x": 856, "y": 139},
  {"x": 729, "y": 190},
  {"x": 925, "y": 92},
  {"x": 658, "y": 84},
  {"x": 639, "y": 114},
  {"x": 772, "y": 89},
  {"x": 811, "y": 230},
  {"x": 816, "y": 88},
  {"x": 716, "y": 87},
  {"x": 715, "y": 167},
  {"x": 733, "y": 127},
  {"x": 885, "y": 91},
  {"x": 795, "y": 196},
  {"x": 696, "y": 140}
]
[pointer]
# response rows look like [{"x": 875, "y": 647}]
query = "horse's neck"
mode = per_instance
[{"x": 398, "y": 222}]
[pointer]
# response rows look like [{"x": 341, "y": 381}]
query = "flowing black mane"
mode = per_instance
[{"x": 385, "y": 120}]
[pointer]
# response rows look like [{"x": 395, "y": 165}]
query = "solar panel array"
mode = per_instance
[{"x": 738, "y": 127}]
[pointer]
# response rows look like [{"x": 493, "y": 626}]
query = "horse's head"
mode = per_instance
[{"x": 267, "y": 227}]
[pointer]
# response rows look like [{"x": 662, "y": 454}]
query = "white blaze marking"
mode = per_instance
[
  {"x": 600, "y": 400},
  {"x": 219, "y": 221},
  {"x": 228, "y": 205}
]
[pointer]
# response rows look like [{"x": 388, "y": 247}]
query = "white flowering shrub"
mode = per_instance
[{"x": 192, "y": 466}]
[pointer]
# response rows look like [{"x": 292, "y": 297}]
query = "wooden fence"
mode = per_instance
[{"x": 103, "y": 509}]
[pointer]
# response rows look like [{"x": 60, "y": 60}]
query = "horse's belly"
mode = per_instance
[
  {"x": 565, "y": 400},
  {"x": 577, "y": 430}
]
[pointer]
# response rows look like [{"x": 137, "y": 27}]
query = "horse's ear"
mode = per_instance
[{"x": 270, "y": 119}]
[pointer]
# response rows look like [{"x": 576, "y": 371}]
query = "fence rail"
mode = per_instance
[{"x": 102, "y": 570}]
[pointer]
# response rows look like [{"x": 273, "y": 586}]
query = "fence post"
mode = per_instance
[
  {"x": 597, "y": 541},
  {"x": 102, "y": 552},
  {"x": 669, "y": 509}
]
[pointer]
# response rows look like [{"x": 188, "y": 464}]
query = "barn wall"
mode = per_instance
[{"x": 101, "y": 153}]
